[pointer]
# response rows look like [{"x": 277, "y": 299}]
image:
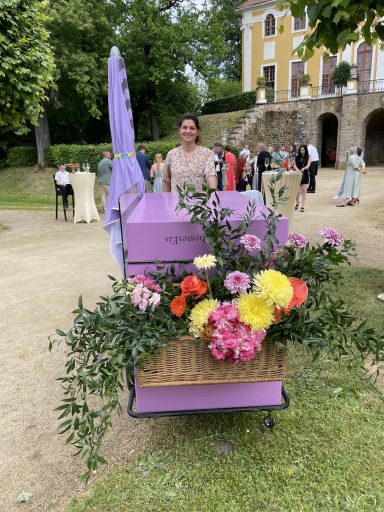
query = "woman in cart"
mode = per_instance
[{"x": 189, "y": 164}]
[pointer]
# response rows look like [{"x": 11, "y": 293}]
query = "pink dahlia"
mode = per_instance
[
  {"x": 251, "y": 243},
  {"x": 148, "y": 282},
  {"x": 226, "y": 313},
  {"x": 297, "y": 240},
  {"x": 237, "y": 282},
  {"x": 236, "y": 344},
  {"x": 331, "y": 236}
]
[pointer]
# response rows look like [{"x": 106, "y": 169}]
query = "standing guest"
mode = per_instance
[
  {"x": 189, "y": 164},
  {"x": 217, "y": 151},
  {"x": 62, "y": 181},
  {"x": 352, "y": 150},
  {"x": 239, "y": 169},
  {"x": 302, "y": 164},
  {"x": 145, "y": 166},
  {"x": 104, "y": 173},
  {"x": 245, "y": 153},
  {"x": 224, "y": 173},
  {"x": 357, "y": 188},
  {"x": 244, "y": 179},
  {"x": 279, "y": 155},
  {"x": 314, "y": 155},
  {"x": 263, "y": 157},
  {"x": 351, "y": 191},
  {"x": 157, "y": 171},
  {"x": 230, "y": 160}
]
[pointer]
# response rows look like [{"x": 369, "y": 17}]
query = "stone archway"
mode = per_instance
[
  {"x": 374, "y": 138},
  {"x": 328, "y": 128}
]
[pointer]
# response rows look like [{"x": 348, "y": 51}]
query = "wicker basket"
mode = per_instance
[{"x": 188, "y": 361}]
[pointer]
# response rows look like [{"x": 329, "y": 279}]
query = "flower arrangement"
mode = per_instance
[
  {"x": 73, "y": 167},
  {"x": 245, "y": 291}
]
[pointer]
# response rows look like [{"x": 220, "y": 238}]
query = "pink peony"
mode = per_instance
[
  {"x": 237, "y": 282},
  {"x": 141, "y": 296},
  {"x": 331, "y": 236},
  {"x": 297, "y": 240},
  {"x": 251, "y": 243}
]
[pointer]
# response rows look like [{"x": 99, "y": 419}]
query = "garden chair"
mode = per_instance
[{"x": 59, "y": 194}]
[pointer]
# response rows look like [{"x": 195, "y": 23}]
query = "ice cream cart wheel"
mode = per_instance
[{"x": 269, "y": 421}]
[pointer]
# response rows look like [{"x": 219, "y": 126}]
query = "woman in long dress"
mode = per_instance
[
  {"x": 189, "y": 164},
  {"x": 157, "y": 171},
  {"x": 352, "y": 179},
  {"x": 302, "y": 164}
]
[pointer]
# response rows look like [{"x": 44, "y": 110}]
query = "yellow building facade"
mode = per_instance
[{"x": 271, "y": 54}]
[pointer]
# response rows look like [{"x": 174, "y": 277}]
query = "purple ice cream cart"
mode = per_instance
[{"x": 153, "y": 232}]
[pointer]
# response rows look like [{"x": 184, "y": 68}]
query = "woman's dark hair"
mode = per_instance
[
  {"x": 193, "y": 118},
  {"x": 299, "y": 156}
]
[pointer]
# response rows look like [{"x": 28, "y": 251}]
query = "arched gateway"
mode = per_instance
[
  {"x": 374, "y": 138},
  {"x": 328, "y": 125}
]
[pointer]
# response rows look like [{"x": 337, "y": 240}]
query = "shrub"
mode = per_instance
[
  {"x": 341, "y": 73},
  {"x": 270, "y": 95},
  {"x": 230, "y": 104},
  {"x": 305, "y": 79},
  {"x": 260, "y": 81},
  {"x": 21, "y": 156}
]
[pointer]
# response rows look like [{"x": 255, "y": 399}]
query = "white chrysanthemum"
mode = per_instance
[{"x": 205, "y": 262}]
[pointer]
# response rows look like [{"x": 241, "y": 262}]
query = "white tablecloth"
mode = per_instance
[
  {"x": 83, "y": 185},
  {"x": 254, "y": 195},
  {"x": 291, "y": 180}
]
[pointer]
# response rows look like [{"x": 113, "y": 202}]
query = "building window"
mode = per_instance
[
  {"x": 364, "y": 66},
  {"x": 269, "y": 75},
  {"x": 270, "y": 25},
  {"x": 297, "y": 69},
  {"x": 300, "y": 23},
  {"x": 327, "y": 84}
]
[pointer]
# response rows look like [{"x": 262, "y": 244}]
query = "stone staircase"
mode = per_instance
[{"x": 242, "y": 127}]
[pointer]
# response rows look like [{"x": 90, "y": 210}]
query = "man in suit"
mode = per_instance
[
  {"x": 262, "y": 166},
  {"x": 145, "y": 166}
]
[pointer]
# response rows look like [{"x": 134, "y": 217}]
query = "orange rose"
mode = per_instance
[
  {"x": 192, "y": 285},
  {"x": 178, "y": 305},
  {"x": 300, "y": 294}
]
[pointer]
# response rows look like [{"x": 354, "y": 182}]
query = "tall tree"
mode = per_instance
[
  {"x": 159, "y": 39},
  {"x": 337, "y": 23},
  {"x": 26, "y": 62},
  {"x": 226, "y": 24}
]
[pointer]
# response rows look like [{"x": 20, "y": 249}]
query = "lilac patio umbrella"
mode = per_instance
[{"x": 126, "y": 172}]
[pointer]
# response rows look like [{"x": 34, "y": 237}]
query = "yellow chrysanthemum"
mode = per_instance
[
  {"x": 273, "y": 287},
  {"x": 255, "y": 312},
  {"x": 205, "y": 262},
  {"x": 199, "y": 316}
]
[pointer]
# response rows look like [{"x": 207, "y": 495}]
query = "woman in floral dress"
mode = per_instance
[{"x": 189, "y": 164}]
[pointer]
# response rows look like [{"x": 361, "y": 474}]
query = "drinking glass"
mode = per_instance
[
  {"x": 83, "y": 166},
  {"x": 266, "y": 163},
  {"x": 88, "y": 167}
]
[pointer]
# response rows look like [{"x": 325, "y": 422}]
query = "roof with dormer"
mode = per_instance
[{"x": 251, "y": 3}]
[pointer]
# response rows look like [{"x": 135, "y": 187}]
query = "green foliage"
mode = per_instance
[
  {"x": 26, "y": 62},
  {"x": 231, "y": 104},
  {"x": 260, "y": 81},
  {"x": 335, "y": 24},
  {"x": 305, "y": 79},
  {"x": 220, "y": 88},
  {"x": 102, "y": 343},
  {"x": 225, "y": 29},
  {"x": 270, "y": 94},
  {"x": 152, "y": 148},
  {"x": 21, "y": 156},
  {"x": 118, "y": 336},
  {"x": 341, "y": 74}
]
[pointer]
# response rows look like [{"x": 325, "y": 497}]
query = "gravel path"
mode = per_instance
[{"x": 45, "y": 265}]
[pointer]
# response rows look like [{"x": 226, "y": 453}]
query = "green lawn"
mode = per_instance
[
  {"x": 211, "y": 126},
  {"x": 27, "y": 188},
  {"x": 325, "y": 453}
]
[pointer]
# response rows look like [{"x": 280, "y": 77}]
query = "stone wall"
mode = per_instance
[{"x": 359, "y": 120}]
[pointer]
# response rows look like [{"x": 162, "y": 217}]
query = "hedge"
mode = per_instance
[
  {"x": 90, "y": 153},
  {"x": 21, "y": 156},
  {"x": 230, "y": 104}
]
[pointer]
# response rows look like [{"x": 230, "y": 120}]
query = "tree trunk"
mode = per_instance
[
  {"x": 43, "y": 139},
  {"x": 155, "y": 131}
]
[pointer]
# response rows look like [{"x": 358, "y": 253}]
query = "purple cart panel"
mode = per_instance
[
  {"x": 154, "y": 231},
  {"x": 212, "y": 396}
]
